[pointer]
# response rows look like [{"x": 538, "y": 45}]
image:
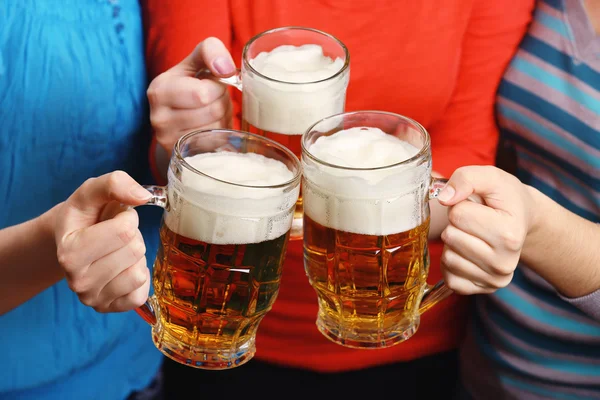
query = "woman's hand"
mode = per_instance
[
  {"x": 483, "y": 242},
  {"x": 99, "y": 245},
  {"x": 180, "y": 102}
]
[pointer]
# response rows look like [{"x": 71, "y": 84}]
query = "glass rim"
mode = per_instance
[
  {"x": 419, "y": 155},
  {"x": 291, "y": 182},
  {"x": 246, "y": 62}
]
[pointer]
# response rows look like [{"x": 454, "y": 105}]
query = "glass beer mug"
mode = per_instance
[
  {"x": 291, "y": 77},
  {"x": 367, "y": 185},
  {"x": 228, "y": 209}
]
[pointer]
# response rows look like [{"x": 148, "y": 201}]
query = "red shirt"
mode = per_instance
[{"x": 438, "y": 62}]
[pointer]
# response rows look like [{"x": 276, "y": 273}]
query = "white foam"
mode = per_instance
[
  {"x": 301, "y": 94},
  {"x": 371, "y": 202},
  {"x": 362, "y": 147},
  {"x": 299, "y": 64},
  {"x": 248, "y": 169},
  {"x": 217, "y": 212}
]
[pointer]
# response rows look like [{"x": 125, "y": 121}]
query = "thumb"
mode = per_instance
[
  {"x": 95, "y": 193},
  {"x": 84, "y": 207},
  {"x": 477, "y": 183},
  {"x": 211, "y": 53}
]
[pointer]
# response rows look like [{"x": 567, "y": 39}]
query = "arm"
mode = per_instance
[
  {"x": 466, "y": 134},
  {"x": 484, "y": 242},
  {"x": 90, "y": 239},
  {"x": 28, "y": 263},
  {"x": 563, "y": 248},
  {"x": 172, "y": 33}
]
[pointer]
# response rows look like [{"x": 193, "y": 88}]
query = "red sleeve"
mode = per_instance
[
  {"x": 173, "y": 30},
  {"x": 467, "y": 134}
]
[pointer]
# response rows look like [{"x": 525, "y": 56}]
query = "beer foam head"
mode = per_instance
[
  {"x": 300, "y": 94},
  {"x": 362, "y": 147},
  {"x": 371, "y": 202},
  {"x": 248, "y": 169},
  {"x": 297, "y": 64},
  {"x": 232, "y": 201}
]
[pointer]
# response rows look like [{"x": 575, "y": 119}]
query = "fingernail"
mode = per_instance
[
  {"x": 446, "y": 194},
  {"x": 223, "y": 66},
  {"x": 140, "y": 193}
]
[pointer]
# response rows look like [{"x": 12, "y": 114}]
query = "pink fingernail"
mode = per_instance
[
  {"x": 446, "y": 194},
  {"x": 223, "y": 66},
  {"x": 140, "y": 193}
]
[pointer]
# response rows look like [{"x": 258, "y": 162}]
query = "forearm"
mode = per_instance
[
  {"x": 563, "y": 248},
  {"x": 28, "y": 263}
]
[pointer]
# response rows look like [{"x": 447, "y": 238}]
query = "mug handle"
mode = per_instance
[
  {"x": 234, "y": 81},
  {"x": 438, "y": 292},
  {"x": 159, "y": 198}
]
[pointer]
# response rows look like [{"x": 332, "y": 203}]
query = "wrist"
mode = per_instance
[
  {"x": 537, "y": 230},
  {"x": 536, "y": 210},
  {"x": 46, "y": 223}
]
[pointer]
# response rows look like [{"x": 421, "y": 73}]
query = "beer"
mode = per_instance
[
  {"x": 375, "y": 284},
  {"x": 366, "y": 221},
  {"x": 295, "y": 87},
  {"x": 214, "y": 295},
  {"x": 222, "y": 244}
]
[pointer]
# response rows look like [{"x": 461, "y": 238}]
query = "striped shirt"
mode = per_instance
[{"x": 526, "y": 341}]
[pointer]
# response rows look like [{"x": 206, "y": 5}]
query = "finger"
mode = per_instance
[
  {"x": 478, "y": 220},
  {"x": 211, "y": 53},
  {"x": 486, "y": 181},
  {"x": 201, "y": 142},
  {"x": 120, "y": 293},
  {"x": 478, "y": 252},
  {"x": 208, "y": 140},
  {"x": 183, "y": 92},
  {"x": 105, "y": 269},
  {"x": 457, "y": 265},
  {"x": 91, "y": 197},
  {"x": 111, "y": 210},
  {"x": 132, "y": 300},
  {"x": 168, "y": 120},
  {"x": 464, "y": 286},
  {"x": 84, "y": 246}
]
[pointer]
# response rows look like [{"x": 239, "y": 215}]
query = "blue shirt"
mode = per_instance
[{"x": 72, "y": 106}]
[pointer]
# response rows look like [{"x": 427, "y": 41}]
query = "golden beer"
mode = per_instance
[
  {"x": 228, "y": 211},
  {"x": 366, "y": 186},
  {"x": 366, "y": 284},
  {"x": 213, "y": 296}
]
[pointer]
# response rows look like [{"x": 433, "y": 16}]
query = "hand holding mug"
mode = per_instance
[
  {"x": 99, "y": 245},
  {"x": 180, "y": 102},
  {"x": 483, "y": 242}
]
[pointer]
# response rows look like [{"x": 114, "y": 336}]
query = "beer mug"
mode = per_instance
[
  {"x": 228, "y": 209},
  {"x": 366, "y": 221},
  {"x": 291, "y": 77}
]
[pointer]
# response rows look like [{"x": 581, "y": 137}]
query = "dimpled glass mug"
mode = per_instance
[
  {"x": 228, "y": 210},
  {"x": 290, "y": 78},
  {"x": 366, "y": 222}
]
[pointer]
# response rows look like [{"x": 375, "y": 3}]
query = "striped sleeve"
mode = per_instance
[
  {"x": 589, "y": 304},
  {"x": 527, "y": 341}
]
